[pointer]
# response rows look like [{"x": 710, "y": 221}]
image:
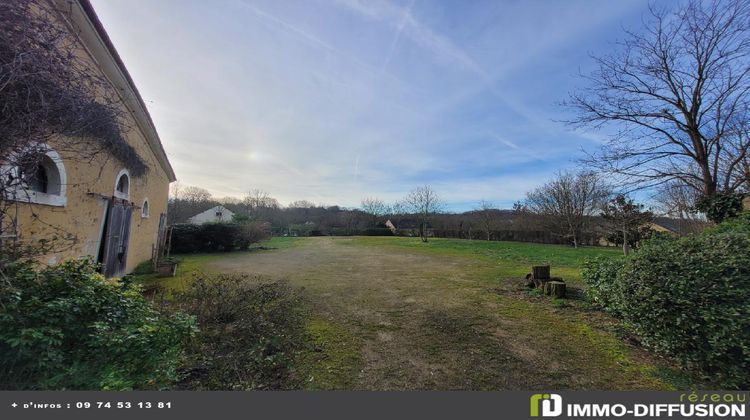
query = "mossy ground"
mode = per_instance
[
  {"x": 331, "y": 360},
  {"x": 394, "y": 313}
]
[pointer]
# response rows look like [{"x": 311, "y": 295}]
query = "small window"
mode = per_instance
[
  {"x": 145, "y": 209},
  {"x": 44, "y": 177},
  {"x": 39, "y": 179},
  {"x": 122, "y": 185}
]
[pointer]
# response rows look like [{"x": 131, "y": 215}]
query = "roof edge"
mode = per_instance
[{"x": 152, "y": 136}]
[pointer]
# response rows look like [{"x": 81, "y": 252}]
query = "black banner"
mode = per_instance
[{"x": 61, "y": 405}]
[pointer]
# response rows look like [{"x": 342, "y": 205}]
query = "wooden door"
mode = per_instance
[{"x": 116, "y": 240}]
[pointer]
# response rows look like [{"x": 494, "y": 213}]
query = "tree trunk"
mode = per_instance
[
  {"x": 709, "y": 182},
  {"x": 625, "y": 245}
]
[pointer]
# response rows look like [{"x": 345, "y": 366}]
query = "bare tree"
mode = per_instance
[
  {"x": 677, "y": 201},
  {"x": 677, "y": 97},
  {"x": 424, "y": 202},
  {"x": 193, "y": 194},
  {"x": 488, "y": 214},
  {"x": 301, "y": 204},
  {"x": 374, "y": 207},
  {"x": 350, "y": 218},
  {"x": 257, "y": 203},
  {"x": 229, "y": 200},
  {"x": 523, "y": 219},
  {"x": 397, "y": 208},
  {"x": 741, "y": 177},
  {"x": 187, "y": 202},
  {"x": 568, "y": 202},
  {"x": 257, "y": 198}
]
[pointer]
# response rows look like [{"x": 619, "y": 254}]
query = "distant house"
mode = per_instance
[
  {"x": 390, "y": 226},
  {"x": 407, "y": 227},
  {"x": 676, "y": 226},
  {"x": 665, "y": 225},
  {"x": 217, "y": 214}
]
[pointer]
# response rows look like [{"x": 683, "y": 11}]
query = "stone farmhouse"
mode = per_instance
[{"x": 100, "y": 208}]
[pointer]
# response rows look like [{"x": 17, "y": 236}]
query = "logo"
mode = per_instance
[
  {"x": 551, "y": 405},
  {"x": 713, "y": 405}
]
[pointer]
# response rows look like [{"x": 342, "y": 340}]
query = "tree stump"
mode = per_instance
[
  {"x": 540, "y": 272},
  {"x": 555, "y": 288}
]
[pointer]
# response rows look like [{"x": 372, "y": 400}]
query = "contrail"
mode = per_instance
[{"x": 397, "y": 37}]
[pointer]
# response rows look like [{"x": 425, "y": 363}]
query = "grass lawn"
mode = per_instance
[
  {"x": 190, "y": 263},
  {"x": 389, "y": 313},
  {"x": 513, "y": 259}
]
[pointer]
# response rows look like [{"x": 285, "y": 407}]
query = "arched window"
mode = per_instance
[
  {"x": 40, "y": 179},
  {"x": 122, "y": 185},
  {"x": 145, "y": 210}
]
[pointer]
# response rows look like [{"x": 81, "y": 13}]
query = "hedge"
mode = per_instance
[
  {"x": 600, "y": 275},
  {"x": 217, "y": 237},
  {"x": 376, "y": 232},
  {"x": 337, "y": 231},
  {"x": 687, "y": 298}
]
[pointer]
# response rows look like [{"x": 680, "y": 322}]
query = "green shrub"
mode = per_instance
[
  {"x": 186, "y": 238},
  {"x": 302, "y": 229},
  {"x": 250, "y": 332},
  {"x": 599, "y": 274},
  {"x": 723, "y": 206},
  {"x": 687, "y": 298},
  {"x": 360, "y": 232},
  {"x": 739, "y": 224},
  {"x": 66, "y": 327},
  {"x": 217, "y": 237}
]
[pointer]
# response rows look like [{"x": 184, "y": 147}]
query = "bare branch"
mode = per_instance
[{"x": 677, "y": 90}]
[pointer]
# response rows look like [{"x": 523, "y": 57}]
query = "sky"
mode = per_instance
[{"x": 332, "y": 101}]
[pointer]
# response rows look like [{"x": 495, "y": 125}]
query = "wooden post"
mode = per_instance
[{"x": 169, "y": 241}]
